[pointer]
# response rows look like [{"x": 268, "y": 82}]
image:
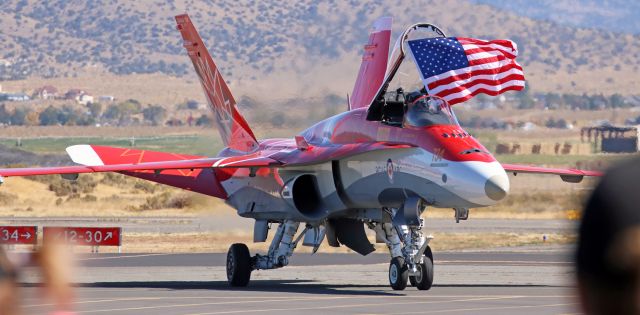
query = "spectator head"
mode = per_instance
[{"x": 608, "y": 254}]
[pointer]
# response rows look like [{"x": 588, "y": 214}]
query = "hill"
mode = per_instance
[
  {"x": 273, "y": 49},
  {"x": 614, "y": 15}
]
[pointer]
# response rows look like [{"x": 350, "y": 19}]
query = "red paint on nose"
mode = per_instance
[{"x": 453, "y": 143}]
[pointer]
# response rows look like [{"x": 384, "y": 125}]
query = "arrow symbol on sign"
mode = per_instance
[
  {"x": 109, "y": 235},
  {"x": 26, "y": 235}
]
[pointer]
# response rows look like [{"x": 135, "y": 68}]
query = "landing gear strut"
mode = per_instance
[
  {"x": 412, "y": 259},
  {"x": 240, "y": 264}
]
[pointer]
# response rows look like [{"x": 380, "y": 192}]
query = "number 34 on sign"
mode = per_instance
[{"x": 14, "y": 235}]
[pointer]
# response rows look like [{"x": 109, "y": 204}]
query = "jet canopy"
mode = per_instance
[
  {"x": 427, "y": 111},
  {"x": 389, "y": 106}
]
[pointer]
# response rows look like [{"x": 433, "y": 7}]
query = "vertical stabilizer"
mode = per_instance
[
  {"x": 233, "y": 128},
  {"x": 374, "y": 64}
]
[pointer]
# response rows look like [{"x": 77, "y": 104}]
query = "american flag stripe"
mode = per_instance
[
  {"x": 513, "y": 74},
  {"x": 452, "y": 92},
  {"x": 500, "y": 44},
  {"x": 483, "y": 55},
  {"x": 492, "y": 90},
  {"x": 457, "y": 69},
  {"x": 494, "y": 67},
  {"x": 472, "y": 49},
  {"x": 466, "y": 76}
]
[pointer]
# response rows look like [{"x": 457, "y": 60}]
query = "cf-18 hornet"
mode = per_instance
[{"x": 378, "y": 165}]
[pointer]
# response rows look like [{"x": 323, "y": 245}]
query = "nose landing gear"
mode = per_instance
[
  {"x": 423, "y": 279},
  {"x": 412, "y": 258}
]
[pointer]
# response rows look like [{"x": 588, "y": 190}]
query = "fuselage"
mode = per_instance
[
  {"x": 449, "y": 156},
  {"x": 446, "y": 167}
]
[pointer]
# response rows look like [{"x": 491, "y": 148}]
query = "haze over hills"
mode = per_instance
[
  {"x": 281, "y": 49},
  {"x": 614, "y": 15}
]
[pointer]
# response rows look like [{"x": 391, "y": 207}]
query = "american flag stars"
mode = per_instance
[{"x": 438, "y": 55}]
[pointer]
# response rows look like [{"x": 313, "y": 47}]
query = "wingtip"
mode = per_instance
[{"x": 84, "y": 154}]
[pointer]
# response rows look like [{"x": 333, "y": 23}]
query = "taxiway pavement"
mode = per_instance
[
  {"x": 218, "y": 223},
  {"x": 535, "y": 280}
]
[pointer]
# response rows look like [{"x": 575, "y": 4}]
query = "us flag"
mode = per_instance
[{"x": 456, "y": 69}]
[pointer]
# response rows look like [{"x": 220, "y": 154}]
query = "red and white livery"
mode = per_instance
[{"x": 379, "y": 165}]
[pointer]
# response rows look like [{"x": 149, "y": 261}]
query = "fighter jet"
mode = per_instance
[{"x": 378, "y": 165}]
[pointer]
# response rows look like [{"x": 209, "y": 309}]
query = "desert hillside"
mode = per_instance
[{"x": 277, "y": 49}]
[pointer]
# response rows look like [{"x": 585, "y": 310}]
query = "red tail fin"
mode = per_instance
[
  {"x": 374, "y": 64},
  {"x": 233, "y": 128}
]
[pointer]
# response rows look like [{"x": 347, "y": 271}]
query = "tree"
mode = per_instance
[
  {"x": 18, "y": 117},
  {"x": 526, "y": 100},
  {"x": 154, "y": 114},
  {"x": 5, "y": 117},
  {"x": 130, "y": 107},
  {"x": 95, "y": 109},
  {"x": 617, "y": 101},
  {"x": 203, "y": 120},
  {"x": 32, "y": 118},
  {"x": 113, "y": 112},
  {"x": 49, "y": 116}
]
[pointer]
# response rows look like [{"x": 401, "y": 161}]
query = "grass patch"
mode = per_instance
[
  {"x": 187, "y": 144},
  {"x": 551, "y": 159}
]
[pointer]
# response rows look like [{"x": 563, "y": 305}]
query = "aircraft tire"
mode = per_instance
[
  {"x": 398, "y": 273},
  {"x": 238, "y": 265},
  {"x": 424, "y": 281}
]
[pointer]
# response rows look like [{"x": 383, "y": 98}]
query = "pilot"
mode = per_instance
[{"x": 434, "y": 106}]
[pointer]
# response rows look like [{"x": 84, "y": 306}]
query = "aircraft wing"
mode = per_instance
[
  {"x": 97, "y": 159},
  {"x": 567, "y": 175},
  {"x": 236, "y": 162}
]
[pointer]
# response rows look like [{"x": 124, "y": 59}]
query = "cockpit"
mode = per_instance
[
  {"x": 427, "y": 111},
  {"x": 416, "y": 109}
]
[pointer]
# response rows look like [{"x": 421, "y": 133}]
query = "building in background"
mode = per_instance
[{"x": 47, "y": 92}]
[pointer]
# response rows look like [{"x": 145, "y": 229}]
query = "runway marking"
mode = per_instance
[
  {"x": 210, "y": 303},
  {"x": 355, "y": 305},
  {"x": 156, "y": 298},
  {"x": 486, "y": 308},
  {"x": 126, "y": 256},
  {"x": 172, "y": 297},
  {"x": 502, "y": 262}
]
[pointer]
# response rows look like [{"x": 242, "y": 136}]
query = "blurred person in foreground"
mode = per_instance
[
  {"x": 56, "y": 263},
  {"x": 608, "y": 254},
  {"x": 8, "y": 286}
]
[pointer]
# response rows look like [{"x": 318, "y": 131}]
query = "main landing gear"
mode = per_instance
[{"x": 240, "y": 264}]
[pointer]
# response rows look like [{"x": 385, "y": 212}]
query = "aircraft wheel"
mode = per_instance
[
  {"x": 238, "y": 265},
  {"x": 398, "y": 273},
  {"x": 424, "y": 279}
]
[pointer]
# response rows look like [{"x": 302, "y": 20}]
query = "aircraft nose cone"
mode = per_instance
[{"x": 497, "y": 187}]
